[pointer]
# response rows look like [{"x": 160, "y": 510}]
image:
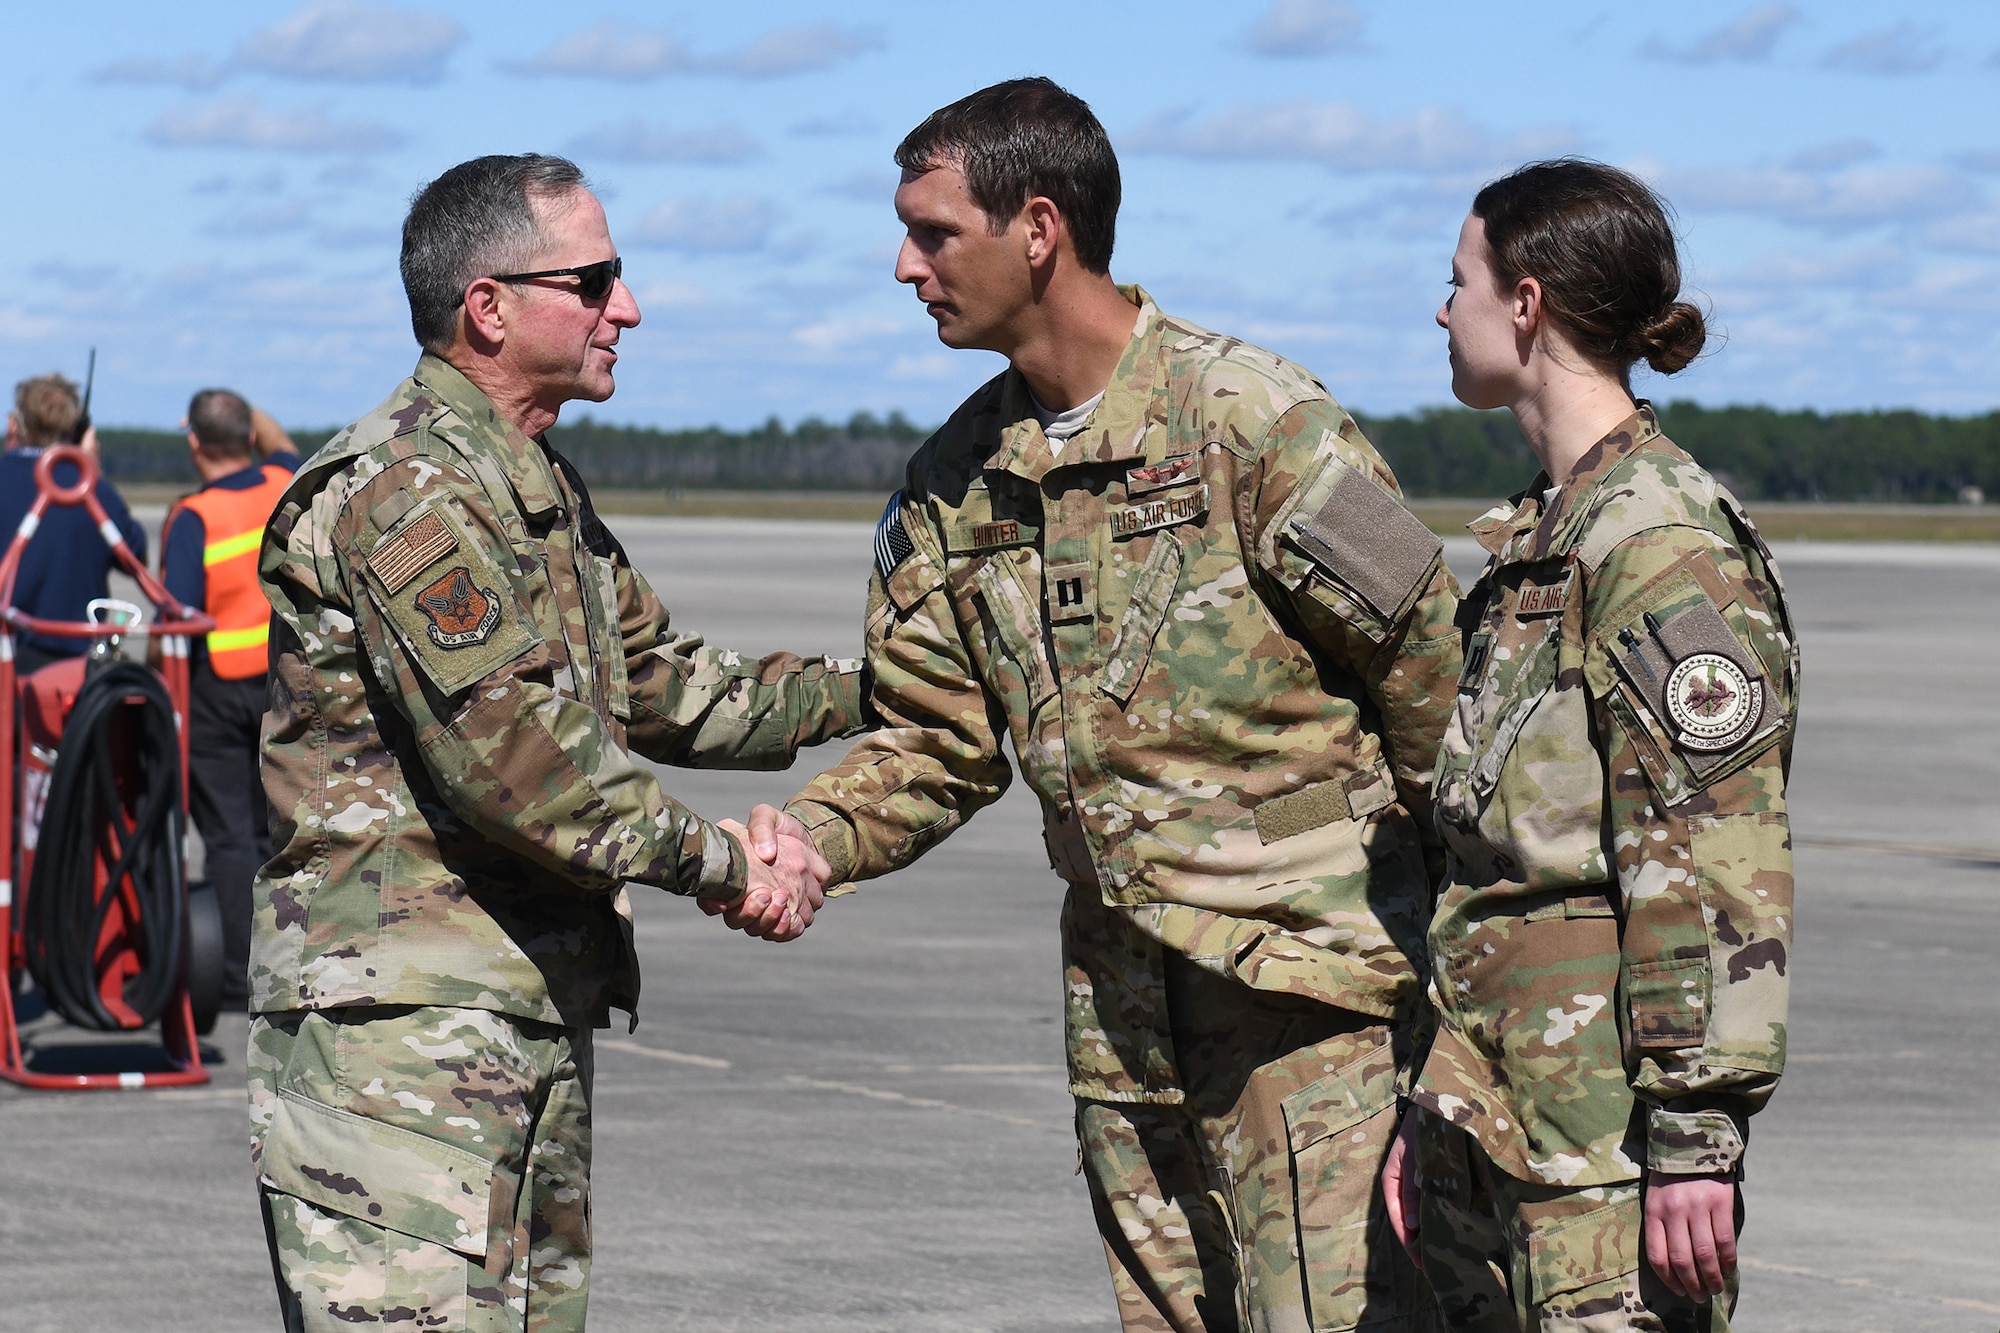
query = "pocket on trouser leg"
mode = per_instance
[
  {"x": 342, "y": 1272},
  {"x": 1579, "y": 1270},
  {"x": 1355, "y": 1273},
  {"x": 372, "y": 1221}
]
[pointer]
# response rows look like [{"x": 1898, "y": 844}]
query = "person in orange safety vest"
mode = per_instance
[{"x": 208, "y": 559}]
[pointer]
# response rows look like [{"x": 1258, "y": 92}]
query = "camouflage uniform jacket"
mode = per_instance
[
  {"x": 448, "y": 751},
  {"x": 1223, "y": 651},
  {"x": 1615, "y": 927}
]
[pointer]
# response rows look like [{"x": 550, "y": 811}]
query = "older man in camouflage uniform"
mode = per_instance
[
  {"x": 464, "y": 663},
  {"x": 1223, "y": 651},
  {"x": 1612, "y": 947}
]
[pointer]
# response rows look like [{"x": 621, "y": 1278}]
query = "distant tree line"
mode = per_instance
[{"x": 1763, "y": 453}]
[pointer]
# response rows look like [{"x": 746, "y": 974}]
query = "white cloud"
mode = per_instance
[
  {"x": 380, "y": 237},
  {"x": 702, "y": 225},
  {"x": 1791, "y": 272},
  {"x": 1903, "y": 49},
  {"x": 1973, "y": 231},
  {"x": 839, "y": 333},
  {"x": 610, "y": 50},
  {"x": 196, "y": 73},
  {"x": 1306, "y": 28},
  {"x": 1947, "y": 289},
  {"x": 634, "y": 140},
  {"x": 268, "y": 181},
  {"x": 243, "y": 122},
  {"x": 76, "y": 277},
  {"x": 1862, "y": 197},
  {"x": 865, "y": 186},
  {"x": 617, "y": 50},
  {"x": 347, "y": 41},
  {"x": 1833, "y": 156},
  {"x": 291, "y": 215},
  {"x": 834, "y": 125},
  {"x": 1749, "y": 39},
  {"x": 929, "y": 366},
  {"x": 797, "y": 50},
  {"x": 1333, "y": 134},
  {"x": 671, "y": 296}
]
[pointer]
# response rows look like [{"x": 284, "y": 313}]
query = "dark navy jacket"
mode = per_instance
[{"x": 66, "y": 562}]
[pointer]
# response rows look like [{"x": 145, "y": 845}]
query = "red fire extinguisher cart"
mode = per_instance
[{"x": 105, "y": 926}]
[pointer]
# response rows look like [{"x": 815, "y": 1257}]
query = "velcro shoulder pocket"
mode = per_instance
[
  {"x": 1372, "y": 551},
  {"x": 1692, "y": 688},
  {"x": 909, "y": 562},
  {"x": 446, "y": 598},
  {"x": 396, "y": 1178}
]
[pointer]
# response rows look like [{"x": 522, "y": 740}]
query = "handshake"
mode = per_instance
[{"x": 788, "y": 877}]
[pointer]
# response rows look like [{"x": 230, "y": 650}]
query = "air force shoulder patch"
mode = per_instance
[{"x": 461, "y": 614}]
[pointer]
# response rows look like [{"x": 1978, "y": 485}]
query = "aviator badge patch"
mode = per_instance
[
  {"x": 1713, "y": 704},
  {"x": 461, "y": 615}
]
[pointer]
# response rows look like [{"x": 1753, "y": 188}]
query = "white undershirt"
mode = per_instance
[{"x": 1060, "y": 427}]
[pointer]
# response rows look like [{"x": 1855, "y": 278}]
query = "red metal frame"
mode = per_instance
[{"x": 173, "y": 622}]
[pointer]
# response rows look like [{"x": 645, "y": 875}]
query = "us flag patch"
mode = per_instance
[
  {"x": 411, "y": 551},
  {"x": 892, "y": 544}
]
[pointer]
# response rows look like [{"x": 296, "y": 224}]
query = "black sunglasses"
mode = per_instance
[{"x": 593, "y": 281}]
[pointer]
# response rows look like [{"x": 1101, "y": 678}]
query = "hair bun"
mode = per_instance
[{"x": 1670, "y": 341}]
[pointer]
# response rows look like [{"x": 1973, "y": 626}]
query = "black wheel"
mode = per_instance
[{"x": 205, "y": 967}]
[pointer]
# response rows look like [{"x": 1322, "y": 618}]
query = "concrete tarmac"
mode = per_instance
[{"x": 868, "y": 1129}]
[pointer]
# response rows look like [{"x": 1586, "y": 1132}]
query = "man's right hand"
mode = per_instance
[
  {"x": 768, "y": 824},
  {"x": 787, "y": 885}
]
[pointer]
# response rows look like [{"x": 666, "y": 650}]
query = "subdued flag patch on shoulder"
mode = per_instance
[
  {"x": 411, "y": 551},
  {"x": 892, "y": 545}
]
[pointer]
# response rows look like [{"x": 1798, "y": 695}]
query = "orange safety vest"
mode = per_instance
[{"x": 233, "y": 524}]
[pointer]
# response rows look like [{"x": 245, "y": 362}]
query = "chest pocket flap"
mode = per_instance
[
  {"x": 1158, "y": 580},
  {"x": 605, "y": 579},
  {"x": 1017, "y": 621},
  {"x": 1522, "y": 661}
]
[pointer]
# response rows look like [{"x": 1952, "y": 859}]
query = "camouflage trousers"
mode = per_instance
[
  {"x": 423, "y": 1168},
  {"x": 1504, "y": 1254},
  {"x": 1256, "y": 1205}
]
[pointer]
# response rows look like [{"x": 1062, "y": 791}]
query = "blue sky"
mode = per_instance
[{"x": 212, "y": 193}]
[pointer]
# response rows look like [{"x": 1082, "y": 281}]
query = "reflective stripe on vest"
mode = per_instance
[{"x": 233, "y": 529}]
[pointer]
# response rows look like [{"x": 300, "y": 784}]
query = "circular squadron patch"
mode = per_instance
[{"x": 1713, "y": 704}]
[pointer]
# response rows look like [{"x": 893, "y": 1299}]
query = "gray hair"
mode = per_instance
[
  {"x": 220, "y": 421},
  {"x": 476, "y": 219}
]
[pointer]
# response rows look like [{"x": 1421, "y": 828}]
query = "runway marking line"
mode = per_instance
[
  {"x": 1863, "y": 1284},
  {"x": 927, "y": 1103},
  {"x": 660, "y": 1053},
  {"x": 1984, "y": 855}
]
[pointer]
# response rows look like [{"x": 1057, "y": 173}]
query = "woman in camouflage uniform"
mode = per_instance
[{"x": 1610, "y": 948}]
